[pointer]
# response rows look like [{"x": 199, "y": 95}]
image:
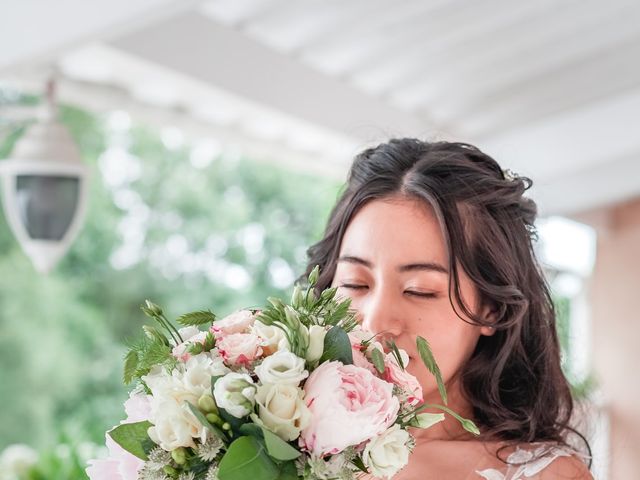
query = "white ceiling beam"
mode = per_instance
[
  {"x": 571, "y": 141},
  {"x": 196, "y": 46},
  {"x": 514, "y": 70},
  {"x": 605, "y": 184},
  {"x": 575, "y": 86},
  {"x": 38, "y": 30}
]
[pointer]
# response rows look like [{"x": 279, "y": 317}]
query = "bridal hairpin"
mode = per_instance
[{"x": 509, "y": 174}]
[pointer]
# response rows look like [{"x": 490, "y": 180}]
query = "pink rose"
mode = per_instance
[
  {"x": 358, "y": 351},
  {"x": 239, "y": 348},
  {"x": 403, "y": 379},
  {"x": 349, "y": 405},
  {"x": 121, "y": 465},
  {"x": 238, "y": 322}
]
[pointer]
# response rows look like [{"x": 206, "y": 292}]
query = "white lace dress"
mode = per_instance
[{"x": 525, "y": 467}]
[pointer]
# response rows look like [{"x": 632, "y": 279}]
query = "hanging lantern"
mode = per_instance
[{"x": 45, "y": 189}]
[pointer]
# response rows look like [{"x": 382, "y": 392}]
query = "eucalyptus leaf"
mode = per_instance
[
  {"x": 337, "y": 346},
  {"x": 247, "y": 458},
  {"x": 288, "y": 471},
  {"x": 132, "y": 437},
  {"x": 252, "y": 430},
  {"x": 278, "y": 448}
]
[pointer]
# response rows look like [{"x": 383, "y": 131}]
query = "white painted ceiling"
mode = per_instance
[{"x": 551, "y": 88}]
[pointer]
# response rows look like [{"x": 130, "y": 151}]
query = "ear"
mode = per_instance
[{"x": 488, "y": 313}]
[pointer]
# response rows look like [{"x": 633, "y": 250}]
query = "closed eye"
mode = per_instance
[
  {"x": 421, "y": 294},
  {"x": 353, "y": 286}
]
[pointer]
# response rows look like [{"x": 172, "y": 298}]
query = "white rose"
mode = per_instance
[
  {"x": 198, "y": 372},
  {"x": 387, "y": 453},
  {"x": 237, "y": 322},
  {"x": 273, "y": 338},
  {"x": 316, "y": 343},
  {"x": 175, "y": 426},
  {"x": 235, "y": 392},
  {"x": 282, "y": 367},
  {"x": 282, "y": 410}
]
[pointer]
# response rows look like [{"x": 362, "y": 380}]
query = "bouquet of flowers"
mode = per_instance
[{"x": 292, "y": 391}]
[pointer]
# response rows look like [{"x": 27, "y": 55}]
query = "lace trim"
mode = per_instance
[{"x": 525, "y": 466}]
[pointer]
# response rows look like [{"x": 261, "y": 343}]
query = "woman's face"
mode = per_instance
[{"x": 393, "y": 264}]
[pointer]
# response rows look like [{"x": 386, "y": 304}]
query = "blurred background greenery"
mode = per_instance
[{"x": 186, "y": 228}]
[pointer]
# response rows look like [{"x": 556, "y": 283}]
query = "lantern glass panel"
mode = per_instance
[{"x": 47, "y": 204}]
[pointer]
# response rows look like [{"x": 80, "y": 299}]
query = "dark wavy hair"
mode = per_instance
[{"x": 513, "y": 379}]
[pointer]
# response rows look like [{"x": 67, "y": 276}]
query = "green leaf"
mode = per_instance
[
  {"x": 154, "y": 353},
  {"x": 132, "y": 437},
  {"x": 288, "y": 471},
  {"x": 252, "y": 430},
  {"x": 337, "y": 346},
  {"x": 278, "y": 448},
  {"x": 378, "y": 360},
  {"x": 203, "y": 420},
  {"x": 154, "y": 334},
  {"x": 396, "y": 353},
  {"x": 194, "y": 319},
  {"x": 430, "y": 362},
  {"x": 130, "y": 366},
  {"x": 357, "y": 461},
  {"x": 247, "y": 458}
]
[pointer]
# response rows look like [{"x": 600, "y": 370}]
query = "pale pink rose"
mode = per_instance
[
  {"x": 349, "y": 405},
  {"x": 121, "y": 465},
  {"x": 403, "y": 379},
  {"x": 239, "y": 348},
  {"x": 358, "y": 351},
  {"x": 138, "y": 408},
  {"x": 180, "y": 351},
  {"x": 238, "y": 322}
]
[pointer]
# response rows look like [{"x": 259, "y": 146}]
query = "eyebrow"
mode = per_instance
[{"x": 411, "y": 267}]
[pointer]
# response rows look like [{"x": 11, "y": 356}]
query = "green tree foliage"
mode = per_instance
[{"x": 217, "y": 237}]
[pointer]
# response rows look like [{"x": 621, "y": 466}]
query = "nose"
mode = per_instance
[{"x": 379, "y": 313}]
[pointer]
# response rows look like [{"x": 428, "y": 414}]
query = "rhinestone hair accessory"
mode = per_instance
[{"x": 509, "y": 174}]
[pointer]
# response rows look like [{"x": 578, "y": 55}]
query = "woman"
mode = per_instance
[{"x": 433, "y": 239}]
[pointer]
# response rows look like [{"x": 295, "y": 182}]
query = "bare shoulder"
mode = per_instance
[{"x": 569, "y": 468}]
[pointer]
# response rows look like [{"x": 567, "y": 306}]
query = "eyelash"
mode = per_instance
[{"x": 410, "y": 292}]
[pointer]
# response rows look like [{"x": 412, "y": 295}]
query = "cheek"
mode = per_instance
[{"x": 452, "y": 343}]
